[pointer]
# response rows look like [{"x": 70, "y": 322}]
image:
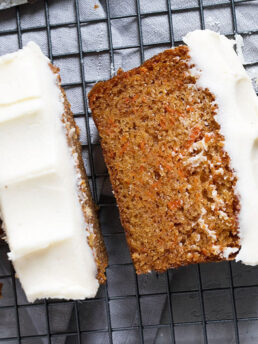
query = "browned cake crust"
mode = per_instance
[
  {"x": 170, "y": 174},
  {"x": 95, "y": 239}
]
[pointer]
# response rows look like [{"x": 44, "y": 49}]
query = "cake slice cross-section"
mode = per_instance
[
  {"x": 179, "y": 136},
  {"x": 48, "y": 215}
]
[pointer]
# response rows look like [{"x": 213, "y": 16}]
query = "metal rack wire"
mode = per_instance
[{"x": 198, "y": 283}]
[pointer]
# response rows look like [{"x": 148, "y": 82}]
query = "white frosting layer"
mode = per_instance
[
  {"x": 43, "y": 219},
  {"x": 221, "y": 71}
]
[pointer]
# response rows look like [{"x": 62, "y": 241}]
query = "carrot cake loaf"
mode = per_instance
[
  {"x": 46, "y": 207},
  {"x": 180, "y": 140}
]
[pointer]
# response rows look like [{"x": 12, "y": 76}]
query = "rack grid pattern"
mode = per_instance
[{"x": 103, "y": 319}]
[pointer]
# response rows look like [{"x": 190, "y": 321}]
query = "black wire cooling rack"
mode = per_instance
[{"x": 209, "y": 303}]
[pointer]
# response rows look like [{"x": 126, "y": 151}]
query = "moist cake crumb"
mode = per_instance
[{"x": 165, "y": 154}]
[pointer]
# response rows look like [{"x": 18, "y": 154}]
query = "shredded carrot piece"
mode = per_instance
[
  {"x": 172, "y": 205},
  {"x": 197, "y": 197},
  {"x": 142, "y": 145},
  {"x": 171, "y": 120},
  {"x": 167, "y": 166},
  {"x": 180, "y": 170},
  {"x": 169, "y": 109},
  {"x": 182, "y": 189},
  {"x": 207, "y": 138},
  {"x": 190, "y": 109},
  {"x": 181, "y": 173},
  {"x": 156, "y": 184},
  {"x": 205, "y": 252},
  {"x": 143, "y": 69},
  {"x": 123, "y": 139},
  {"x": 195, "y": 133},
  {"x": 162, "y": 123},
  {"x": 179, "y": 114},
  {"x": 124, "y": 147},
  {"x": 111, "y": 122}
]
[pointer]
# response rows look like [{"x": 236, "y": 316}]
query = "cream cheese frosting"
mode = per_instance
[
  {"x": 220, "y": 70},
  {"x": 40, "y": 207}
]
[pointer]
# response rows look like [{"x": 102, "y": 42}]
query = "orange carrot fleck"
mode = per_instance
[
  {"x": 167, "y": 166},
  {"x": 169, "y": 109},
  {"x": 111, "y": 122},
  {"x": 143, "y": 69},
  {"x": 142, "y": 145},
  {"x": 172, "y": 205},
  {"x": 171, "y": 120},
  {"x": 195, "y": 133},
  {"x": 123, "y": 139},
  {"x": 180, "y": 171},
  {"x": 207, "y": 138},
  {"x": 156, "y": 184},
  {"x": 162, "y": 124},
  {"x": 189, "y": 109},
  {"x": 124, "y": 147},
  {"x": 181, "y": 174}
]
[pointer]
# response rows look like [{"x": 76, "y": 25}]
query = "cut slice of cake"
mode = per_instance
[
  {"x": 180, "y": 140},
  {"x": 46, "y": 207}
]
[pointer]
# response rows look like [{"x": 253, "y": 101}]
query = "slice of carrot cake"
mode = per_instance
[
  {"x": 46, "y": 207},
  {"x": 180, "y": 140}
]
